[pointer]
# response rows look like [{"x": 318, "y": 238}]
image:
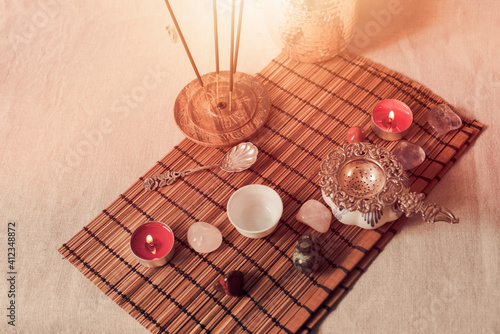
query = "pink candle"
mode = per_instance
[
  {"x": 391, "y": 119},
  {"x": 153, "y": 244}
]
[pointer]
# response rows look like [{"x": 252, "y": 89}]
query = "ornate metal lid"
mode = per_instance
[{"x": 362, "y": 177}]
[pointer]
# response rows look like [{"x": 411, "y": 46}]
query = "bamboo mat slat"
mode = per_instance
[{"x": 313, "y": 106}]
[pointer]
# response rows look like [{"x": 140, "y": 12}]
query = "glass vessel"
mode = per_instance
[{"x": 311, "y": 31}]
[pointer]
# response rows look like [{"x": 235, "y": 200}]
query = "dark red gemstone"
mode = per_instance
[
  {"x": 355, "y": 135},
  {"x": 231, "y": 283}
]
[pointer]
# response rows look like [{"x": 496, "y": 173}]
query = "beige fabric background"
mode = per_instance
[{"x": 86, "y": 96}]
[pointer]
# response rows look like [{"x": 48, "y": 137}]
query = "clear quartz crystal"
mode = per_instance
[
  {"x": 443, "y": 119},
  {"x": 203, "y": 237},
  {"x": 410, "y": 155}
]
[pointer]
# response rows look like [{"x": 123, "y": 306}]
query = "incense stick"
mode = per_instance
[
  {"x": 231, "y": 57},
  {"x": 238, "y": 35},
  {"x": 216, "y": 40},
  {"x": 188, "y": 52},
  {"x": 184, "y": 43}
]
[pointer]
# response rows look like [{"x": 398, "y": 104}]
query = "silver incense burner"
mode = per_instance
[{"x": 365, "y": 185}]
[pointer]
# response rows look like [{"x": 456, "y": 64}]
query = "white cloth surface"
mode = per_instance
[{"x": 86, "y": 99}]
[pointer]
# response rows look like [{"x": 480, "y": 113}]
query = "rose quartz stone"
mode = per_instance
[
  {"x": 203, "y": 237},
  {"x": 316, "y": 215},
  {"x": 355, "y": 135}
]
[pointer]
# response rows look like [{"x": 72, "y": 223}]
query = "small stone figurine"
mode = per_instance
[{"x": 307, "y": 253}]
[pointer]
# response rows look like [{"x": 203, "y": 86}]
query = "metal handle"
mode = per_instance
[
  {"x": 157, "y": 181},
  {"x": 412, "y": 203}
]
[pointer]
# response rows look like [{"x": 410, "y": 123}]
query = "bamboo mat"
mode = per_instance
[{"x": 313, "y": 105}]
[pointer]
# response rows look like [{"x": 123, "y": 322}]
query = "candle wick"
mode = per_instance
[
  {"x": 152, "y": 248},
  {"x": 391, "y": 118},
  {"x": 150, "y": 243}
]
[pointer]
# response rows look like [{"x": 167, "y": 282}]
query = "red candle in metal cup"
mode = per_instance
[
  {"x": 391, "y": 119},
  {"x": 153, "y": 244}
]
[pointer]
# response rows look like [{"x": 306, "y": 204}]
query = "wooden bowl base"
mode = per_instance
[{"x": 212, "y": 116}]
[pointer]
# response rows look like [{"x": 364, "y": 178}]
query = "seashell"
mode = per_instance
[{"x": 240, "y": 157}]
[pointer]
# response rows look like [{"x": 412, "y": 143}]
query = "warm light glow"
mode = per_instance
[
  {"x": 391, "y": 116},
  {"x": 149, "y": 239}
]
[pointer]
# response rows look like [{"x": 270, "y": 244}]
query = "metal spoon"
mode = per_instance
[{"x": 237, "y": 159}]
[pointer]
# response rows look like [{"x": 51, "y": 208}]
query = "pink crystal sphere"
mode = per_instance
[
  {"x": 316, "y": 215},
  {"x": 203, "y": 237}
]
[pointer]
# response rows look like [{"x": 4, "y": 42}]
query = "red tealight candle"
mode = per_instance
[
  {"x": 153, "y": 244},
  {"x": 391, "y": 119}
]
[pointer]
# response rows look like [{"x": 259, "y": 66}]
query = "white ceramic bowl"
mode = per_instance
[{"x": 255, "y": 210}]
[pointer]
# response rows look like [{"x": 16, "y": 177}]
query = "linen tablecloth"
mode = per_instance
[{"x": 86, "y": 87}]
